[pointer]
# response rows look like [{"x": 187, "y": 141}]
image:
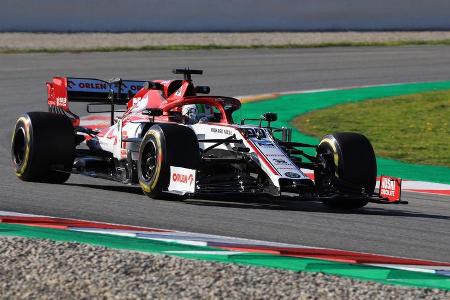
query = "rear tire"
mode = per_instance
[
  {"x": 165, "y": 145},
  {"x": 43, "y": 143},
  {"x": 351, "y": 169}
]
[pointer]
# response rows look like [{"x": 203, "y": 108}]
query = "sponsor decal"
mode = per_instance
[
  {"x": 61, "y": 101},
  {"x": 140, "y": 103},
  {"x": 70, "y": 84},
  {"x": 100, "y": 86},
  {"x": 221, "y": 130},
  {"x": 182, "y": 180},
  {"x": 390, "y": 188},
  {"x": 254, "y": 132},
  {"x": 292, "y": 175},
  {"x": 279, "y": 161},
  {"x": 92, "y": 85},
  {"x": 131, "y": 86},
  {"x": 276, "y": 158},
  {"x": 87, "y": 85},
  {"x": 265, "y": 144},
  {"x": 179, "y": 92}
]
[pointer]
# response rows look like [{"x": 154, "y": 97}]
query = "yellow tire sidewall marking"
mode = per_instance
[
  {"x": 26, "y": 127},
  {"x": 146, "y": 187},
  {"x": 332, "y": 144}
]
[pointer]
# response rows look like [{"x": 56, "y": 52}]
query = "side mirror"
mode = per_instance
[
  {"x": 202, "y": 89},
  {"x": 269, "y": 117},
  {"x": 154, "y": 112}
]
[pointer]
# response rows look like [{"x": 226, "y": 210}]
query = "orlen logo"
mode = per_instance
[
  {"x": 183, "y": 178},
  {"x": 90, "y": 85},
  {"x": 133, "y": 87}
]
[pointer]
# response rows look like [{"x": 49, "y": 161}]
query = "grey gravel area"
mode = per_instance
[
  {"x": 30, "y": 41},
  {"x": 44, "y": 269}
]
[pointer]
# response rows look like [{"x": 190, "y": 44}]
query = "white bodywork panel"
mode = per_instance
[
  {"x": 263, "y": 149},
  {"x": 181, "y": 180}
]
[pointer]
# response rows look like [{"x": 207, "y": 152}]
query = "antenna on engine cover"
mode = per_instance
[{"x": 187, "y": 73}]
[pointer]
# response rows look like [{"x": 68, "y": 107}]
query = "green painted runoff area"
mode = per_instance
[
  {"x": 291, "y": 106},
  {"x": 361, "y": 272}
]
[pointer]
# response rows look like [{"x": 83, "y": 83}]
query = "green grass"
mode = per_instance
[
  {"x": 413, "y": 128},
  {"x": 6, "y": 50}
]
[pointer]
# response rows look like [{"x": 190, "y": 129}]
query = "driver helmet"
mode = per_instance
[{"x": 195, "y": 113}]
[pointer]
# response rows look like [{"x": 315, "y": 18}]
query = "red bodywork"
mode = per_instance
[
  {"x": 173, "y": 95},
  {"x": 390, "y": 188}
]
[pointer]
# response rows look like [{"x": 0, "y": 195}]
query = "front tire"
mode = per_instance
[
  {"x": 43, "y": 147},
  {"x": 165, "y": 145},
  {"x": 350, "y": 170}
]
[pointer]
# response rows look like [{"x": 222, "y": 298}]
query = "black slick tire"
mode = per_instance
[
  {"x": 43, "y": 147},
  {"x": 165, "y": 145},
  {"x": 350, "y": 168}
]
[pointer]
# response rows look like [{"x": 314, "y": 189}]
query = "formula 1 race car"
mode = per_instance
[{"x": 175, "y": 143}]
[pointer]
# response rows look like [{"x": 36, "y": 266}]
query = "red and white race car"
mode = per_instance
[{"x": 175, "y": 143}]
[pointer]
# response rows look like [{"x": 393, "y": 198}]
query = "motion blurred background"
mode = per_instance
[{"x": 222, "y": 16}]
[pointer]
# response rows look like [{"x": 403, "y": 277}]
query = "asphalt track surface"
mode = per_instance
[{"x": 418, "y": 230}]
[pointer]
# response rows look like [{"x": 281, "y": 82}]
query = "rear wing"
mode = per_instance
[{"x": 63, "y": 90}]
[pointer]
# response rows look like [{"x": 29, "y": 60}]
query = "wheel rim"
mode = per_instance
[
  {"x": 323, "y": 179},
  {"x": 19, "y": 146},
  {"x": 148, "y": 161}
]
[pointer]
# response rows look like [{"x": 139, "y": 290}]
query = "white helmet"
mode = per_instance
[{"x": 197, "y": 113}]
